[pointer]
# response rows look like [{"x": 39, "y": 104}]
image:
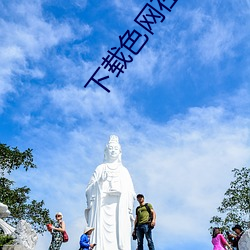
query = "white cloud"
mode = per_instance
[
  {"x": 202, "y": 33},
  {"x": 80, "y": 3},
  {"x": 25, "y": 35},
  {"x": 127, "y": 10},
  {"x": 217, "y": 42},
  {"x": 143, "y": 67},
  {"x": 32, "y": 33},
  {"x": 85, "y": 103},
  {"x": 183, "y": 167}
]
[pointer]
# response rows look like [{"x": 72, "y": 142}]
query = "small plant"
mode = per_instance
[{"x": 6, "y": 240}]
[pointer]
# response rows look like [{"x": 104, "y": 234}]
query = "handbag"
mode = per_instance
[
  {"x": 65, "y": 236},
  {"x": 49, "y": 227}
]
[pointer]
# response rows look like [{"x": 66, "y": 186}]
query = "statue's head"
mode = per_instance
[
  {"x": 113, "y": 150},
  {"x": 4, "y": 211}
]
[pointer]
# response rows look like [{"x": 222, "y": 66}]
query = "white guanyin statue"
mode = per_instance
[
  {"x": 4, "y": 212},
  {"x": 244, "y": 242},
  {"x": 110, "y": 198}
]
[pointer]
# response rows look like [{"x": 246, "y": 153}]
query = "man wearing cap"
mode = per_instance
[
  {"x": 239, "y": 231},
  {"x": 142, "y": 224},
  {"x": 84, "y": 240}
]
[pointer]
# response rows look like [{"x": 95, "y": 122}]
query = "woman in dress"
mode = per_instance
[
  {"x": 56, "y": 231},
  {"x": 218, "y": 240}
]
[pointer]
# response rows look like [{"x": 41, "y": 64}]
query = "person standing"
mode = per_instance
[
  {"x": 218, "y": 240},
  {"x": 143, "y": 225},
  {"x": 56, "y": 231},
  {"x": 239, "y": 231},
  {"x": 85, "y": 239}
]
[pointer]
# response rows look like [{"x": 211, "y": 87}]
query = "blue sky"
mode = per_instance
[{"x": 180, "y": 109}]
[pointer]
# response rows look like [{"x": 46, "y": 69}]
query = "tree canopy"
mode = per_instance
[
  {"x": 12, "y": 159},
  {"x": 17, "y": 199},
  {"x": 235, "y": 207}
]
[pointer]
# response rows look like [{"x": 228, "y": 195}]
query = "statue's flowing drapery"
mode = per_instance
[
  {"x": 4, "y": 212},
  {"x": 244, "y": 242},
  {"x": 110, "y": 198}
]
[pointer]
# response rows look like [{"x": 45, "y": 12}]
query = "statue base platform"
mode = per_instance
[{"x": 12, "y": 247}]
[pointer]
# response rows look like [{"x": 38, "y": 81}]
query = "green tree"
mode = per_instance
[
  {"x": 17, "y": 199},
  {"x": 235, "y": 207}
]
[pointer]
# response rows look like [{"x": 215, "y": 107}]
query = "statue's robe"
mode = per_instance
[
  {"x": 244, "y": 242},
  {"x": 110, "y": 197}
]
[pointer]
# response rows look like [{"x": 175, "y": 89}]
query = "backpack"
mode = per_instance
[{"x": 149, "y": 212}]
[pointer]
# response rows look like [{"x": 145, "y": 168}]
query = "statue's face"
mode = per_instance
[{"x": 113, "y": 150}]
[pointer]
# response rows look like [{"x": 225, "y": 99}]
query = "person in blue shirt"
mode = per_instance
[{"x": 84, "y": 240}]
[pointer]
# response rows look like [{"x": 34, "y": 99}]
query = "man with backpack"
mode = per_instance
[{"x": 144, "y": 223}]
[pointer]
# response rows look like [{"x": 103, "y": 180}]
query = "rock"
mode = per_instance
[{"x": 244, "y": 242}]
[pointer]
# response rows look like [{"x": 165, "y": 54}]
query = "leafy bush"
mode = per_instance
[
  {"x": 235, "y": 207},
  {"x": 6, "y": 240}
]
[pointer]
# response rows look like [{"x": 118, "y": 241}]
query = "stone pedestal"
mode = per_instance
[
  {"x": 244, "y": 242},
  {"x": 13, "y": 247}
]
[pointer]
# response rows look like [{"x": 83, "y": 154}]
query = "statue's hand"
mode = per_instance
[
  {"x": 104, "y": 176},
  {"x": 90, "y": 202},
  {"x": 132, "y": 217}
]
